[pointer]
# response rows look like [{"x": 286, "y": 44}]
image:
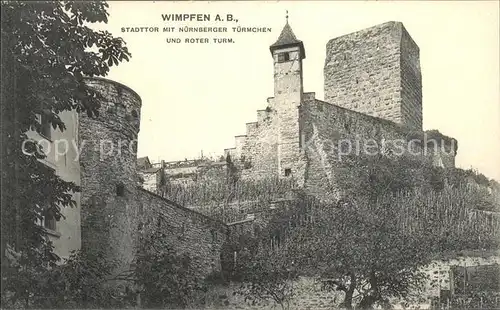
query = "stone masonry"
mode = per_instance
[
  {"x": 108, "y": 163},
  {"x": 109, "y": 175},
  {"x": 187, "y": 231},
  {"x": 373, "y": 90},
  {"x": 376, "y": 71}
]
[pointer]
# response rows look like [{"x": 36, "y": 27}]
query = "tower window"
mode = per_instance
[
  {"x": 288, "y": 172},
  {"x": 120, "y": 190},
  {"x": 282, "y": 57}
]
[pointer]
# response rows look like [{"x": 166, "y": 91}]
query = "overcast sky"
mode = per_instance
[{"x": 199, "y": 96}]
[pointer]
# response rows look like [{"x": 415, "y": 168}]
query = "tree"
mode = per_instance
[
  {"x": 396, "y": 215},
  {"x": 80, "y": 282},
  {"x": 47, "y": 49},
  {"x": 364, "y": 250},
  {"x": 265, "y": 262},
  {"x": 357, "y": 240},
  {"x": 266, "y": 274}
]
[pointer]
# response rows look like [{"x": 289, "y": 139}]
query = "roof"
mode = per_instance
[
  {"x": 287, "y": 38},
  {"x": 143, "y": 162}
]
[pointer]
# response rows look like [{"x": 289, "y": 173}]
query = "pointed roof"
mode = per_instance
[{"x": 286, "y": 39}]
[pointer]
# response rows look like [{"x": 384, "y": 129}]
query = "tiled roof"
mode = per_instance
[{"x": 286, "y": 37}]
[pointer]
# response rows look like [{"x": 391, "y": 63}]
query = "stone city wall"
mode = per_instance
[{"x": 186, "y": 230}]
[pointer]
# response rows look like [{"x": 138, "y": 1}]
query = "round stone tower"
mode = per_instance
[{"x": 108, "y": 146}]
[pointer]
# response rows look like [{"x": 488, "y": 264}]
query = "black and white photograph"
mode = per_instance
[{"x": 276, "y": 155}]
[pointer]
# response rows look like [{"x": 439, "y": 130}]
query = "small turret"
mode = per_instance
[
  {"x": 288, "y": 39},
  {"x": 288, "y": 53}
]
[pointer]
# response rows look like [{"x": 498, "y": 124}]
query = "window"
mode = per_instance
[
  {"x": 282, "y": 57},
  {"x": 120, "y": 189},
  {"x": 49, "y": 221},
  {"x": 288, "y": 172},
  {"x": 45, "y": 124}
]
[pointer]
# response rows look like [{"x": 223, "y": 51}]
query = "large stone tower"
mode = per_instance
[
  {"x": 376, "y": 71},
  {"x": 108, "y": 168},
  {"x": 288, "y": 53}
]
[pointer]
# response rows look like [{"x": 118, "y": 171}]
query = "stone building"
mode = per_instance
[
  {"x": 150, "y": 178},
  {"x": 373, "y": 94},
  {"x": 100, "y": 157},
  {"x": 373, "y": 91}
]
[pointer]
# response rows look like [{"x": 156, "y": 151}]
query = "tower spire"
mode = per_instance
[{"x": 288, "y": 39}]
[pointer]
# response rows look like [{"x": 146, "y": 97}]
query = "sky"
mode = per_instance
[{"x": 197, "y": 97}]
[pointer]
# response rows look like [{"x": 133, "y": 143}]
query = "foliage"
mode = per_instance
[
  {"x": 266, "y": 274},
  {"x": 432, "y": 135},
  {"x": 22, "y": 280},
  {"x": 165, "y": 278},
  {"x": 457, "y": 177},
  {"x": 76, "y": 283},
  {"x": 484, "y": 191},
  {"x": 364, "y": 250},
  {"x": 451, "y": 217},
  {"x": 476, "y": 279},
  {"x": 46, "y": 51},
  {"x": 412, "y": 215},
  {"x": 391, "y": 221},
  {"x": 472, "y": 300},
  {"x": 490, "y": 188},
  {"x": 220, "y": 191},
  {"x": 80, "y": 281},
  {"x": 214, "y": 196},
  {"x": 232, "y": 268}
]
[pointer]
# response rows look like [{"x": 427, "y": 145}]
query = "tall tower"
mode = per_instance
[
  {"x": 376, "y": 71},
  {"x": 288, "y": 53},
  {"x": 108, "y": 169}
]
